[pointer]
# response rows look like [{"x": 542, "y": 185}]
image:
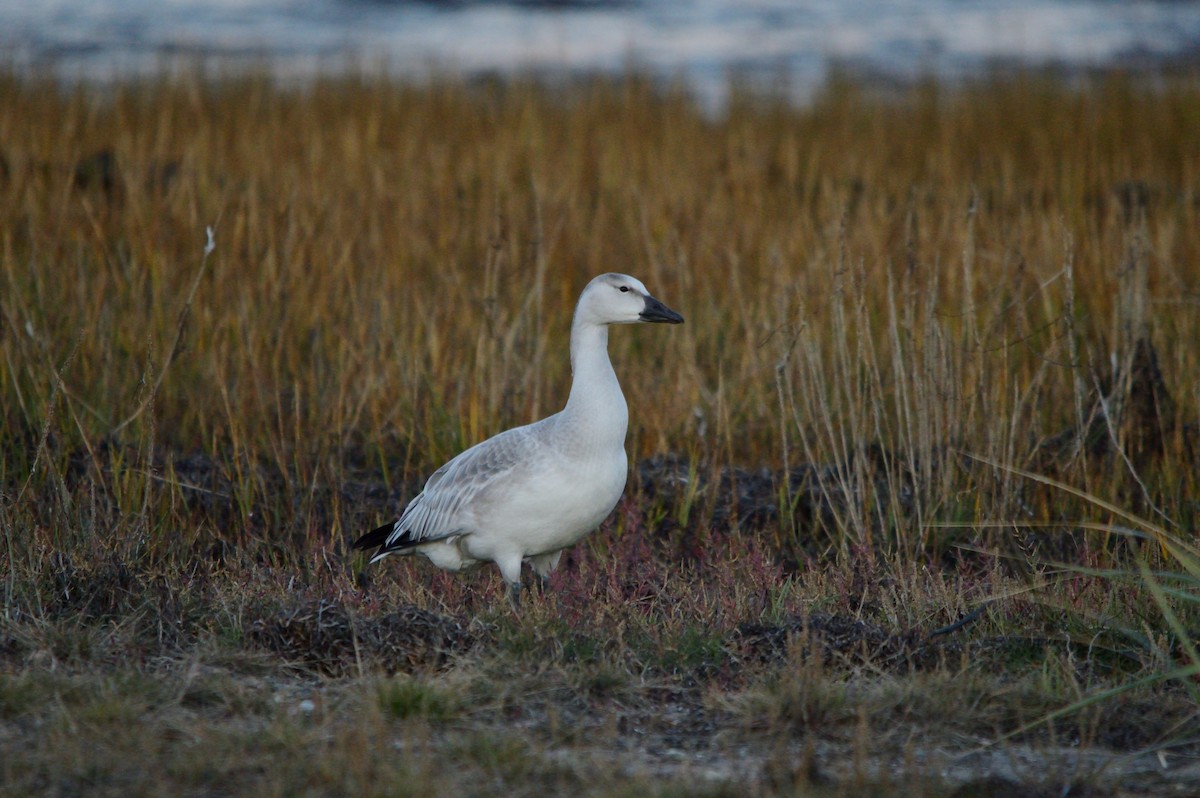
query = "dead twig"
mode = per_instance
[{"x": 967, "y": 619}]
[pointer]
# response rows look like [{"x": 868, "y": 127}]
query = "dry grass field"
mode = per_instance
[{"x": 915, "y": 490}]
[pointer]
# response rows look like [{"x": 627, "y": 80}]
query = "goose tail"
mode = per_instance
[{"x": 376, "y": 538}]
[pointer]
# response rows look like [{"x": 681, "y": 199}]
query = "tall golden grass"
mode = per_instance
[{"x": 395, "y": 269}]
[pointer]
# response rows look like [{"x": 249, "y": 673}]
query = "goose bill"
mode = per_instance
[{"x": 656, "y": 311}]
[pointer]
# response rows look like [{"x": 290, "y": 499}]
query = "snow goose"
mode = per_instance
[{"x": 532, "y": 491}]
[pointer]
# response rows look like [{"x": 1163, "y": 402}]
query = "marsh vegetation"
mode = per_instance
[{"x": 939, "y": 375}]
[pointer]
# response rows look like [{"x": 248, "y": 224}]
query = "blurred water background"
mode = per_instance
[{"x": 699, "y": 42}]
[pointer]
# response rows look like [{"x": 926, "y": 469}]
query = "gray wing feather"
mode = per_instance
[{"x": 438, "y": 511}]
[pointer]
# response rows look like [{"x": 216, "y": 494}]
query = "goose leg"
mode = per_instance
[
  {"x": 510, "y": 569},
  {"x": 543, "y": 566}
]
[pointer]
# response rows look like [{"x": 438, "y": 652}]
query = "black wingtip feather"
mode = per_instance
[{"x": 375, "y": 538}]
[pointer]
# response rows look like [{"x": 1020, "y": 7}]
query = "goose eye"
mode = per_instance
[{"x": 624, "y": 288}]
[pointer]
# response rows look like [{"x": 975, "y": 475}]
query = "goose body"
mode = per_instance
[{"x": 532, "y": 491}]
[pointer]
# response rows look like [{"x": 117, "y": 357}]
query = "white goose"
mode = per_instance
[{"x": 532, "y": 491}]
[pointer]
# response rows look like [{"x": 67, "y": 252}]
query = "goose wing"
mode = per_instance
[{"x": 442, "y": 508}]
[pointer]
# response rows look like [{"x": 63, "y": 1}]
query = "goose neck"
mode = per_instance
[{"x": 595, "y": 392}]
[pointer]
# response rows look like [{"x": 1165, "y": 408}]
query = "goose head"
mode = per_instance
[{"x": 620, "y": 299}]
